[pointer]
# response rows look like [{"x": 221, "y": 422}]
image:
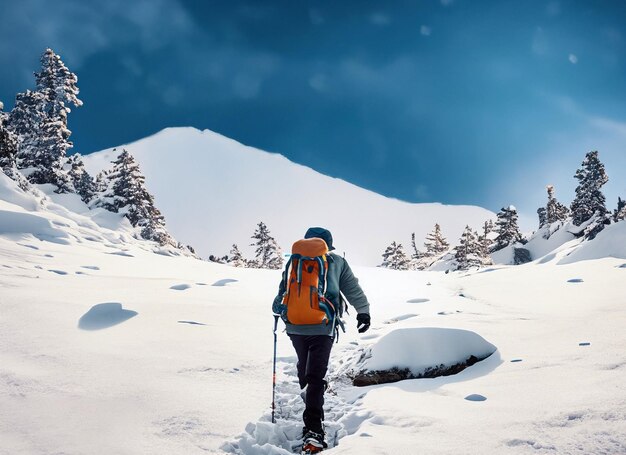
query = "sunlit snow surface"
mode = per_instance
[{"x": 108, "y": 348}]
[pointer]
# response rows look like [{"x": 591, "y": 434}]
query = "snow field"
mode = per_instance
[{"x": 107, "y": 347}]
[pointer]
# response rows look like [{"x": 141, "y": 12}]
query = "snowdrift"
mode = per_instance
[
  {"x": 422, "y": 352},
  {"x": 42, "y": 215}
]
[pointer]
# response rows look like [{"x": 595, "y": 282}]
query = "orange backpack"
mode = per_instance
[{"x": 304, "y": 281}]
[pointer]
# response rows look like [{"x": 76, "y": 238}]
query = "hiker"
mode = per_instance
[{"x": 313, "y": 325}]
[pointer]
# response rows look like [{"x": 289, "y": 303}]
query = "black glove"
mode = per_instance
[{"x": 363, "y": 322}]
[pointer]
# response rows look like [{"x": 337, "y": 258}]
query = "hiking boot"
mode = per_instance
[{"x": 314, "y": 440}]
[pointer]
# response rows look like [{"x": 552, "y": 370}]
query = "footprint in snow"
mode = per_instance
[
  {"x": 342, "y": 418},
  {"x": 122, "y": 253},
  {"x": 48, "y": 256},
  {"x": 7, "y": 266},
  {"x": 201, "y": 284},
  {"x": 418, "y": 301},
  {"x": 623, "y": 266},
  {"x": 475, "y": 397},
  {"x": 224, "y": 282},
  {"x": 180, "y": 287},
  {"x": 584, "y": 343},
  {"x": 575, "y": 280},
  {"x": 58, "y": 272},
  {"x": 90, "y": 267},
  {"x": 191, "y": 322},
  {"x": 402, "y": 317},
  {"x": 78, "y": 272},
  {"x": 516, "y": 360},
  {"x": 445, "y": 313},
  {"x": 33, "y": 247}
]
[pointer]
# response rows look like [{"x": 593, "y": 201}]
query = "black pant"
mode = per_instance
[{"x": 313, "y": 353}]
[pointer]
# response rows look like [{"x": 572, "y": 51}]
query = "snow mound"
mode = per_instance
[
  {"x": 26, "y": 223},
  {"x": 611, "y": 242},
  {"x": 105, "y": 315},
  {"x": 421, "y": 349}
]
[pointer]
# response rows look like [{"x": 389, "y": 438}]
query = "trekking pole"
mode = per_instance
[{"x": 274, "y": 372}]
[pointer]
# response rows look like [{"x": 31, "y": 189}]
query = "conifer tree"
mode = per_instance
[
  {"x": 83, "y": 183},
  {"x": 8, "y": 151},
  {"x": 469, "y": 251},
  {"x": 127, "y": 194},
  {"x": 416, "y": 254},
  {"x": 543, "y": 217},
  {"x": 485, "y": 241},
  {"x": 506, "y": 228},
  {"x": 236, "y": 258},
  {"x": 101, "y": 181},
  {"x": 620, "y": 212},
  {"x": 25, "y": 122},
  {"x": 435, "y": 243},
  {"x": 589, "y": 200},
  {"x": 416, "y": 261},
  {"x": 268, "y": 253},
  {"x": 395, "y": 258},
  {"x": 44, "y": 114},
  {"x": 555, "y": 211}
]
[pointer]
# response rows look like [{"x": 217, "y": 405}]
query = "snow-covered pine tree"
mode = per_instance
[
  {"x": 416, "y": 261},
  {"x": 268, "y": 253},
  {"x": 469, "y": 253},
  {"x": 101, "y": 181},
  {"x": 44, "y": 154},
  {"x": 506, "y": 228},
  {"x": 435, "y": 243},
  {"x": 81, "y": 180},
  {"x": 236, "y": 258},
  {"x": 620, "y": 212},
  {"x": 485, "y": 241},
  {"x": 589, "y": 200},
  {"x": 543, "y": 217},
  {"x": 555, "y": 211},
  {"x": 8, "y": 151},
  {"x": 395, "y": 258},
  {"x": 25, "y": 122},
  {"x": 126, "y": 193},
  {"x": 8, "y": 141}
]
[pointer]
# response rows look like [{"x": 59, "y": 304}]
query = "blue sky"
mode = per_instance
[{"x": 456, "y": 101}]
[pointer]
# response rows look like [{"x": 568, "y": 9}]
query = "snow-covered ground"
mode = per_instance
[{"x": 109, "y": 348}]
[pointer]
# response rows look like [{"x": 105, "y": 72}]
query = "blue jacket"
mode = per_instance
[{"x": 339, "y": 280}]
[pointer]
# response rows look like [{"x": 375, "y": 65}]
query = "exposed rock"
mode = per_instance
[
  {"x": 365, "y": 378},
  {"x": 521, "y": 256}
]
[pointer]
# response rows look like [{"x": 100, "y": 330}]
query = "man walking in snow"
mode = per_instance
[{"x": 313, "y": 341}]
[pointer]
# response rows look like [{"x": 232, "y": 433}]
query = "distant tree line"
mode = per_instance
[
  {"x": 34, "y": 145},
  {"x": 587, "y": 216},
  {"x": 268, "y": 255}
]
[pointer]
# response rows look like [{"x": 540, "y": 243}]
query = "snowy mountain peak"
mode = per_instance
[{"x": 214, "y": 190}]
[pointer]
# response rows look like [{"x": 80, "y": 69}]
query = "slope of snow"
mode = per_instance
[
  {"x": 611, "y": 242},
  {"x": 106, "y": 347},
  {"x": 213, "y": 192}
]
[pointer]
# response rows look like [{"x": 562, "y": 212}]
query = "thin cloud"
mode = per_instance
[
  {"x": 573, "y": 58},
  {"x": 425, "y": 30},
  {"x": 380, "y": 19}
]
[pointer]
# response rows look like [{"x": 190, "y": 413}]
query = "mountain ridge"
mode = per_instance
[{"x": 205, "y": 163}]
